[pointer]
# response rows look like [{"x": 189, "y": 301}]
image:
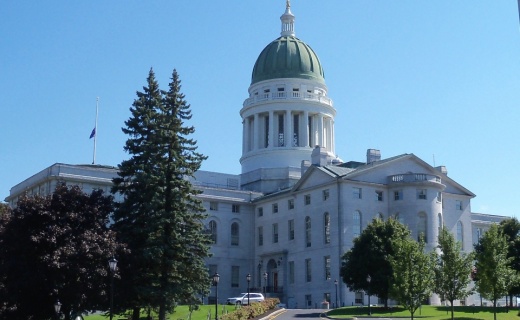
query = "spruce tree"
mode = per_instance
[{"x": 160, "y": 217}]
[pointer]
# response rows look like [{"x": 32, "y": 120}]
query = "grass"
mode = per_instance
[
  {"x": 427, "y": 313},
  {"x": 181, "y": 312}
]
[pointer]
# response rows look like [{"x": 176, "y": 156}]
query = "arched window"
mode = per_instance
[
  {"x": 422, "y": 227},
  {"x": 326, "y": 227},
  {"x": 308, "y": 231},
  {"x": 460, "y": 234},
  {"x": 234, "y": 234},
  {"x": 356, "y": 225},
  {"x": 439, "y": 227},
  {"x": 213, "y": 230},
  {"x": 398, "y": 217}
]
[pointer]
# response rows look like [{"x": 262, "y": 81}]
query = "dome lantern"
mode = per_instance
[{"x": 287, "y": 21}]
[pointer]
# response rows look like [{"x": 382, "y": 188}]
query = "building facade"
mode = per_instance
[{"x": 295, "y": 209}]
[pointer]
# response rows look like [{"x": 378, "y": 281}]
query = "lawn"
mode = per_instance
[
  {"x": 427, "y": 312},
  {"x": 181, "y": 312}
]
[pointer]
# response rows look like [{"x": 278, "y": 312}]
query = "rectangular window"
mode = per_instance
[
  {"x": 326, "y": 262},
  {"x": 291, "y": 272},
  {"x": 235, "y": 273},
  {"x": 308, "y": 300},
  {"x": 275, "y": 207},
  {"x": 213, "y": 206},
  {"x": 275, "y": 232},
  {"x": 379, "y": 195},
  {"x": 326, "y": 296},
  {"x": 458, "y": 204},
  {"x": 212, "y": 269},
  {"x": 291, "y": 229},
  {"x": 439, "y": 196},
  {"x": 290, "y": 204},
  {"x": 421, "y": 194},
  {"x": 260, "y": 212},
  {"x": 307, "y": 199},
  {"x": 398, "y": 195},
  {"x": 356, "y": 193},
  {"x": 260, "y": 236},
  {"x": 308, "y": 271},
  {"x": 325, "y": 194},
  {"x": 235, "y": 208}
]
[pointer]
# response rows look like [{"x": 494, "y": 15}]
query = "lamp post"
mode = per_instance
[
  {"x": 369, "y": 279},
  {"x": 216, "y": 278},
  {"x": 112, "y": 265},
  {"x": 57, "y": 308},
  {"x": 265, "y": 283},
  {"x": 336, "y": 284},
  {"x": 248, "y": 278}
]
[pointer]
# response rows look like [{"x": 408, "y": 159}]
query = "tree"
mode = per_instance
[
  {"x": 370, "y": 256},
  {"x": 413, "y": 275},
  {"x": 452, "y": 270},
  {"x": 4, "y": 208},
  {"x": 160, "y": 217},
  {"x": 56, "y": 247},
  {"x": 495, "y": 276},
  {"x": 511, "y": 229}
]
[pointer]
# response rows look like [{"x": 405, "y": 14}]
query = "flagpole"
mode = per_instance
[{"x": 95, "y": 133}]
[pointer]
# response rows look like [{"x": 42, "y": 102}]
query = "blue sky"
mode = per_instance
[{"x": 440, "y": 79}]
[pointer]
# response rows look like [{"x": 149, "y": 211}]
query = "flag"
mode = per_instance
[{"x": 93, "y": 134}]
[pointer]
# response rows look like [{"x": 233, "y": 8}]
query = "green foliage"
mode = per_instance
[
  {"x": 452, "y": 270},
  {"x": 495, "y": 275},
  {"x": 413, "y": 279},
  {"x": 4, "y": 209},
  {"x": 370, "y": 255},
  {"x": 160, "y": 218},
  {"x": 511, "y": 229},
  {"x": 253, "y": 310},
  {"x": 55, "y": 247}
]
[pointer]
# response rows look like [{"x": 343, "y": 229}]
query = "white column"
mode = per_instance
[
  {"x": 256, "y": 132},
  {"x": 288, "y": 129},
  {"x": 244, "y": 138},
  {"x": 305, "y": 129},
  {"x": 271, "y": 129},
  {"x": 332, "y": 140},
  {"x": 320, "y": 130},
  {"x": 248, "y": 141}
]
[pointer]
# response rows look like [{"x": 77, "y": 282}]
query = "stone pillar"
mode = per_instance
[
  {"x": 256, "y": 132},
  {"x": 271, "y": 130},
  {"x": 305, "y": 129}
]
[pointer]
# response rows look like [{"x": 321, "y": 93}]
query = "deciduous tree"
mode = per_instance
[{"x": 511, "y": 229}]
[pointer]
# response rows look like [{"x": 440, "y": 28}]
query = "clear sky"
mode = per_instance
[{"x": 440, "y": 79}]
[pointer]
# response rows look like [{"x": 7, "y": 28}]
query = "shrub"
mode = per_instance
[{"x": 253, "y": 310}]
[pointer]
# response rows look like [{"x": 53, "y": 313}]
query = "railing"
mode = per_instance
[
  {"x": 294, "y": 95},
  {"x": 413, "y": 177},
  {"x": 272, "y": 289}
]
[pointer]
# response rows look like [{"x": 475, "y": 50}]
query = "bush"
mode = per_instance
[{"x": 253, "y": 310}]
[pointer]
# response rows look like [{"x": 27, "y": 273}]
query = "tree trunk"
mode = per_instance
[
  {"x": 452, "y": 309},
  {"x": 136, "y": 313},
  {"x": 495, "y": 309}
]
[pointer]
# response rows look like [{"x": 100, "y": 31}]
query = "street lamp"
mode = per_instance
[
  {"x": 112, "y": 265},
  {"x": 336, "y": 284},
  {"x": 369, "y": 279},
  {"x": 216, "y": 278},
  {"x": 248, "y": 278},
  {"x": 57, "y": 308},
  {"x": 265, "y": 283}
]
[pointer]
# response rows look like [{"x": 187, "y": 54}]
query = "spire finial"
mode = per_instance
[
  {"x": 288, "y": 4},
  {"x": 287, "y": 21}
]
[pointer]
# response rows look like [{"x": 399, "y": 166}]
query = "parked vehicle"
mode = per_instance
[{"x": 243, "y": 298}]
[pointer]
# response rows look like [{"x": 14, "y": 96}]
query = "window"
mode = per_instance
[
  {"x": 291, "y": 272},
  {"x": 260, "y": 236},
  {"x": 479, "y": 233},
  {"x": 260, "y": 212},
  {"x": 212, "y": 269},
  {"x": 307, "y": 199},
  {"x": 326, "y": 296},
  {"x": 307, "y": 231},
  {"x": 460, "y": 234},
  {"x": 291, "y": 229},
  {"x": 326, "y": 267},
  {"x": 356, "y": 193},
  {"x": 422, "y": 227},
  {"x": 326, "y": 194},
  {"x": 213, "y": 206},
  {"x": 234, "y": 234},
  {"x": 275, "y": 232},
  {"x": 359, "y": 297},
  {"x": 275, "y": 207},
  {"x": 308, "y": 300},
  {"x": 379, "y": 195},
  {"x": 439, "y": 196},
  {"x": 326, "y": 227},
  {"x": 235, "y": 273},
  {"x": 290, "y": 204},
  {"x": 308, "y": 271},
  {"x": 356, "y": 225},
  {"x": 458, "y": 204},
  {"x": 440, "y": 224},
  {"x": 235, "y": 208},
  {"x": 421, "y": 194},
  {"x": 398, "y": 195},
  {"x": 213, "y": 230}
]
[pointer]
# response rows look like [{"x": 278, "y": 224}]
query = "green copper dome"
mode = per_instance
[{"x": 287, "y": 57}]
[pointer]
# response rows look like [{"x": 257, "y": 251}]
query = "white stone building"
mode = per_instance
[{"x": 296, "y": 207}]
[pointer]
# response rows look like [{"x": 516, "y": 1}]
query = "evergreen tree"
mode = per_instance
[
  {"x": 452, "y": 270},
  {"x": 495, "y": 276},
  {"x": 160, "y": 217},
  {"x": 413, "y": 278},
  {"x": 370, "y": 256}
]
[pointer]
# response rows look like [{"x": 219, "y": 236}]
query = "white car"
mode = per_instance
[{"x": 243, "y": 298}]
